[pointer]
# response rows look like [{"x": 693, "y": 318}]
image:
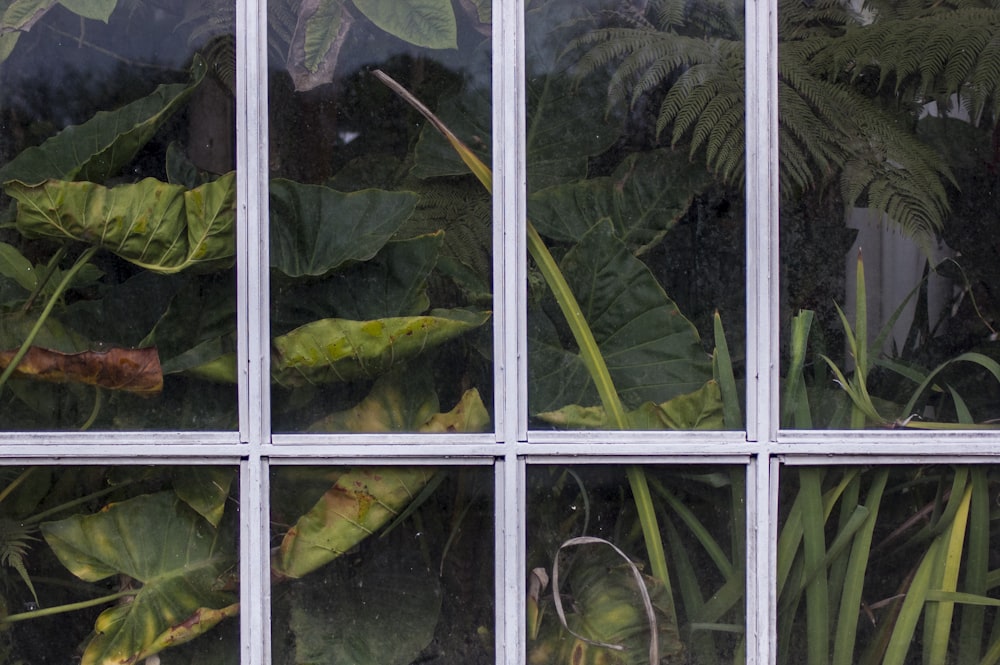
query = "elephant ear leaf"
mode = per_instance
[
  {"x": 360, "y": 502},
  {"x": 100, "y": 147},
  {"x": 173, "y": 557},
  {"x": 331, "y": 350},
  {"x": 161, "y": 227}
]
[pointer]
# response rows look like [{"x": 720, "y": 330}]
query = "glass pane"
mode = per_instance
[
  {"x": 382, "y": 565},
  {"x": 588, "y": 553},
  {"x": 889, "y": 564},
  {"x": 889, "y": 196},
  {"x": 380, "y": 235},
  {"x": 116, "y": 215},
  {"x": 120, "y": 564},
  {"x": 635, "y": 167}
]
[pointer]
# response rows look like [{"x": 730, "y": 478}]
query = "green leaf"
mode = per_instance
[
  {"x": 392, "y": 283},
  {"x": 404, "y": 401},
  {"x": 342, "y": 350},
  {"x": 391, "y": 592},
  {"x": 648, "y": 194},
  {"x": 174, "y": 558},
  {"x": 205, "y": 489},
  {"x": 100, "y": 147},
  {"x": 360, "y": 502},
  {"x": 157, "y": 226},
  {"x": 13, "y": 264},
  {"x": 99, "y": 10},
  {"x": 429, "y": 23},
  {"x": 652, "y": 351},
  {"x": 316, "y": 229}
]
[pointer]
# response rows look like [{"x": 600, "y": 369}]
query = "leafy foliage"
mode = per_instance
[{"x": 851, "y": 87}]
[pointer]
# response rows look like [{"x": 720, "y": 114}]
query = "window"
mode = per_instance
[{"x": 440, "y": 331}]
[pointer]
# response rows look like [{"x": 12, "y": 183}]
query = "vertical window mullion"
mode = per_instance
[
  {"x": 509, "y": 225},
  {"x": 251, "y": 232},
  {"x": 762, "y": 220}
]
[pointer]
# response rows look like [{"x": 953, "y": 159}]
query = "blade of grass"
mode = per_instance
[
  {"x": 909, "y": 614},
  {"x": 722, "y": 364},
  {"x": 795, "y": 404}
]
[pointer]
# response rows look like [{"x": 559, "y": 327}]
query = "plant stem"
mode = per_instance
[
  {"x": 590, "y": 353},
  {"x": 49, "y": 306},
  {"x": 71, "y": 607}
]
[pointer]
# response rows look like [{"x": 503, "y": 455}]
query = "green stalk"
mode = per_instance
[
  {"x": 71, "y": 607},
  {"x": 49, "y": 306},
  {"x": 570, "y": 308}
]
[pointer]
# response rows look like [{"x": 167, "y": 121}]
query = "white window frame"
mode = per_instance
[{"x": 762, "y": 448}]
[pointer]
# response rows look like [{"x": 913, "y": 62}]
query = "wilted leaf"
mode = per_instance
[
  {"x": 429, "y": 23},
  {"x": 157, "y": 226},
  {"x": 132, "y": 370},
  {"x": 174, "y": 558},
  {"x": 361, "y": 501},
  {"x": 342, "y": 350},
  {"x": 700, "y": 410},
  {"x": 100, "y": 147},
  {"x": 404, "y": 401},
  {"x": 319, "y": 35},
  {"x": 652, "y": 351},
  {"x": 316, "y": 229}
]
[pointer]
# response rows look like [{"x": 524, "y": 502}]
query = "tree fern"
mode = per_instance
[{"x": 851, "y": 87}]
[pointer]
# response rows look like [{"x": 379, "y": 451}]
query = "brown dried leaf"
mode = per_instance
[{"x": 134, "y": 370}]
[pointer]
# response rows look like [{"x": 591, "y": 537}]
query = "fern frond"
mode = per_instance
[{"x": 14, "y": 539}]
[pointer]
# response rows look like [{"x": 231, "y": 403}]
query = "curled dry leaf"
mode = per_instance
[{"x": 134, "y": 370}]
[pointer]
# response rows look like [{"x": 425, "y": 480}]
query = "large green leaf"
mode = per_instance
[
  {"x": 157, "y": 226},
  {"x": 359, "y": 503},
  {"x": 21, "y": 15},
  {"x": 175, "y": 559},
  {"x": 647, "y": 195},
  {"x": 404, "y": 401},
  {"x": 429, "y": 23},
  {"x": 392, "y": 283},
  {"x": 342, "y": 350},
  {"x": 316, "y": 229},
  {"x": 652, "y": 351},
  {"x": 346, "y": 614},
  {"x": 320, "y": 32},
  {"x": 100, "y": 147}
]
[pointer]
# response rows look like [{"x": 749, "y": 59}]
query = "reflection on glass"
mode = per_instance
[
  {"x": 380, "y": 235},
  {"x": 887, "y": 565},
  {"x": 382, "y": 565},
  {"x": 116, "y": 215},
  {"x": 119, "y": 564},
  {"x": 600, "y": 532},
  {"x": 635, "y": 162},
  {"x": 889, "y": 196}
]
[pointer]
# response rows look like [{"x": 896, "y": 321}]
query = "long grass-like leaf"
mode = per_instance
[
  {"x": 854, "y": 578},
  {"x": 909, "y": 614},
  {"x": 814, "y": 550},
  {"x": 795, "y": 403},
  {"x": 940, "y": 616},
  {"x": 722, "y": 363},
  {"x": 971, "y": 629}
]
